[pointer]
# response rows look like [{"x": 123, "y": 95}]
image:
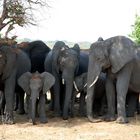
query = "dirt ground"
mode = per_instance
[{"x": 74, "y": 129}]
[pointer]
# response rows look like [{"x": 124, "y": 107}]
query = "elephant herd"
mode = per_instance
[{"x": 107, "y": 80}]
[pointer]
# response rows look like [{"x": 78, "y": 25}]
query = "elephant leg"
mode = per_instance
[
  {"x": 9, "y": 97},
  {"x": 138, "y": 105},
  {"x": 103, "y": 106},
  {"x": 51, "y": 104},
  {"x": 57, "y": 96},
  {"x": 21, "y": 103},
  {"x": 16, "y": 102},
  {"x": 131, "y": 104},
  {"x": 42, "y": 111},
  {"x": 110, "y": 94},
  {"x": 82, "y": 104},
  {"x": 122, "y": 84}
]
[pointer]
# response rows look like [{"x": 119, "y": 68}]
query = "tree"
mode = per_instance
[
  {"x": 136, "y": 30},
  {"x": 17, "y": 13}
]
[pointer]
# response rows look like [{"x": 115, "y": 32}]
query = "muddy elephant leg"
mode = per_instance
[
  {"x": 110, "y": 94},
  {"x": 82, "y": 104},
  {"x": 42, "y": 111}
]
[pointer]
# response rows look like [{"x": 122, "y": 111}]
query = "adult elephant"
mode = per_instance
[
  {"x": 68, "y": 63},
  {"x": 37, "y": 51},
  {"x": 50, "y": 66},
  {"x": 119, "y": 57},
  {"x": 36, "y": 85},
  {"x": 13, "y": 63}
]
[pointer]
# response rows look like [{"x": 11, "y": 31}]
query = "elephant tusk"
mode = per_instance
[
  {"x": 94, "y": 81},
  {"x": 63, "y": 81},
  {"x": 75, "y": 86},
  {"x": 85, "y": 85}
]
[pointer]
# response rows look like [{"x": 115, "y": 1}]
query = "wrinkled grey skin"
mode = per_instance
[
  {"x": 13, "y": 63},
  {"x": 36, "y": 85},
  {"x": 81, "y": 85},
  {"x": 120, "y": 59}
]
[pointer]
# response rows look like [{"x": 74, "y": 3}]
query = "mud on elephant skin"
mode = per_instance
[
  {"x": 36, "y": 85},
  {"x": 118, "y": 56}
]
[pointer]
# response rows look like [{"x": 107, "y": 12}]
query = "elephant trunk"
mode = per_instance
[
  {"x": 69, "y": 88},
  {"x": 33, "y": 108},
  {"x": 94, "y": 71}
]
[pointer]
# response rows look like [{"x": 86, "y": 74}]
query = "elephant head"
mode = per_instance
[
  {"x": 59, "y": 47},
  {"x": 34, "y": 85},
  {"x": 7, "y": 61},
  {"x": 113, "y": 53}
]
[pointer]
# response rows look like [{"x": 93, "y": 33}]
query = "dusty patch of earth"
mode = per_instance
[{"x": 73, "y": 129}]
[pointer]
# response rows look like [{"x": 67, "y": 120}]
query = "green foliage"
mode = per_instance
[{"x": 136, "y": 30}]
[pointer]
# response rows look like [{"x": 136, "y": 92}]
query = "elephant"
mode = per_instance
[
  {"x": 120, "y": 58},
  {"x": 66, "y": 64},
  {"x": 37, "y": 51},
  {"x": 13, "y": 63},
  {"x": 50, "y": 66},
  {"x": 100, "y": 96},
  {"x": 36, "y": 85}
]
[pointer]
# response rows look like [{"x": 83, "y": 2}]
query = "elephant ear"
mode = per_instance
[
  {"x": 24, "y": 82},
  {"x": 10, "y": 61},
  {"x": 48, "y": 81},
  {"x": 121, "y": 52}
]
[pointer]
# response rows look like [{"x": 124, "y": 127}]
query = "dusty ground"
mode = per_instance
[{"x": 73, "y": 129}]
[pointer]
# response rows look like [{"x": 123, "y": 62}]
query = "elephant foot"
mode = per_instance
[
  {"x": 94, "y": 120},
  {"x": 65, "y": 117},
  {"x": 20, "y": 111},
  {"x": 109, "y": 118},
  {"x": 122, "y": 120},
  {"x": 8, "y": 118},
  {"x": 82, "y": 114},
  {"x": 130, "y": 114},
  {"x": 33, "y": 122},
  {"x": 43, "y": 120}
]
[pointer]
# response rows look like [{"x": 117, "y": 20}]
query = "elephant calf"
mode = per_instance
[
  {"x": 80, "y": 85},
  {"x": 36, "y": 85}
]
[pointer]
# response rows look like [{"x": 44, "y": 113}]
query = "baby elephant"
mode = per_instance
[
  {"x": 36, "y": 85},
  {"x": 80, "y": 86}
]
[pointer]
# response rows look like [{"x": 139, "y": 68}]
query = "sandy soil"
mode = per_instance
[{"x": 73, "y": 129}]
